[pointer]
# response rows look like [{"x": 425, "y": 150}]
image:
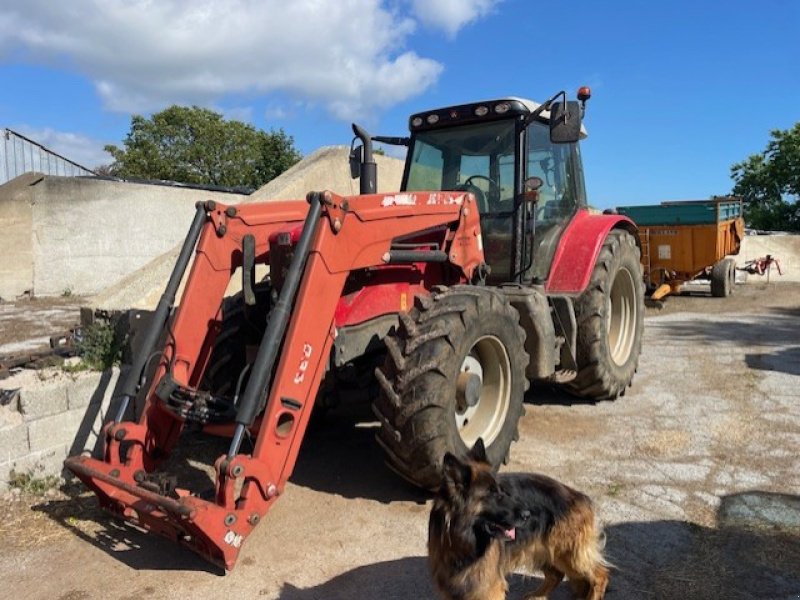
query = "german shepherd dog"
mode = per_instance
[{"x": 483, "y": 526}]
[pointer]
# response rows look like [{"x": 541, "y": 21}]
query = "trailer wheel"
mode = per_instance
[
  {"x": 239, "y": 336},
  {"x": 454, "y": 372},
  {"x": 723, "y": 278},
  {"x": 610, "y": 318}
]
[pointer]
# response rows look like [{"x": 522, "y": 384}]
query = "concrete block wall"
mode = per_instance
[{"x": 52, "y": 415}]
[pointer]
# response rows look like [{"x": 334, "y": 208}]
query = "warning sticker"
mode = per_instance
[{"x": 664, "y": 251}]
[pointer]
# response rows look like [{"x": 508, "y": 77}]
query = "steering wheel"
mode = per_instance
[
  {"x": 480, "y": 197},
  {"x": 494, "y": 187}
]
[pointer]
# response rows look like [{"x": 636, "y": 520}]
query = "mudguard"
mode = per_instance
[{"x": 578, "y": 249}]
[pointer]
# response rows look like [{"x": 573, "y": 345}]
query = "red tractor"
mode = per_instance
[{"x": 485, "y": 272}]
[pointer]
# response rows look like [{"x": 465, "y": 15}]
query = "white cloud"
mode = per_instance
[
  {"x": 81, "y": 149},
  {"x": 346, "y": 55},
  {"x": 238, "y": 113},
  {"x": 452, "y": 15},
  {"x": 275, "y": 112}
]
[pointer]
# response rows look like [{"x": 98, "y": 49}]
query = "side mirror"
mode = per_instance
[
  {"x": 565, "y": 122},
  {"x": 356, "y": 153},
  {"x": 531, "y": 189}
]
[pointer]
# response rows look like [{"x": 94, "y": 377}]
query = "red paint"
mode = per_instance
[
  {"x": 216, "y": 529},
  {"x": 578, "y": 250}
]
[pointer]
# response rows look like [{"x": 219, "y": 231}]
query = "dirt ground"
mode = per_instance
[
  {"x": 695, "y": 473},
  {"x": 27, "y": 324}
]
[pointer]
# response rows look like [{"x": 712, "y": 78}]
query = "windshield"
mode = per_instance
[{"x": 477, "y": 158}]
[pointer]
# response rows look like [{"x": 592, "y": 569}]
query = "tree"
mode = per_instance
[
  {"x": 197, "y": 145},
  {"x": 769, "y": 183}
]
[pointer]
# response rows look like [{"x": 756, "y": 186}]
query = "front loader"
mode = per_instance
[{"x": 441, "y": 302}]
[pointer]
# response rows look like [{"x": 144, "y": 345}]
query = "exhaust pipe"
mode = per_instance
[{"x": 368, "y": 170}]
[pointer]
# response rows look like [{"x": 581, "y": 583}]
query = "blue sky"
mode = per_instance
[{"x": 681, "y": 89}]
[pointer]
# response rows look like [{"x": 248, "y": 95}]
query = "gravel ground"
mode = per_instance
[
  {"x": 27, "y": 324},
  {"x": 695, "y": 473}
]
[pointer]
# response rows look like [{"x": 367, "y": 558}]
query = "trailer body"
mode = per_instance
[{"x": 688, "y": 240}]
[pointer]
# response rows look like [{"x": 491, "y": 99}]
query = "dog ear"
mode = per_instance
[
  {"x": 478, "y": 452},
  {"x": 455, "y": 472}
]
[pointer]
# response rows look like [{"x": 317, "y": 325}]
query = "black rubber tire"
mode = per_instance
[
  {"x": 607, "y": 361},
  {"x": 241, "y": 328},
  {"x": 417, "y": 406},
  {"x": 723, "y": 278}
]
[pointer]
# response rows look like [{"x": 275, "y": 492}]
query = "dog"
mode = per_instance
[{"x": 483, "y": 526}]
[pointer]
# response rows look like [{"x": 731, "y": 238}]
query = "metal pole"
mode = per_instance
[{"x": 136, "y": 373}]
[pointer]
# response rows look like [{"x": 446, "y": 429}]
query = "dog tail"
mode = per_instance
[{"x": 590, "y": 549}]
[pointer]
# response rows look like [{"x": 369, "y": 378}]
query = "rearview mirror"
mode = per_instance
[
  {"x": 355, "y": 161},
  {"x": 565, "y": 123}
]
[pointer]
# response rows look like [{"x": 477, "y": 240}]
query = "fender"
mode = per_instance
[{"x": 579, "y": 248}]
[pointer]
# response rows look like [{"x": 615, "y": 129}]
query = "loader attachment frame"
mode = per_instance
[{"x": 344, "y": 235}]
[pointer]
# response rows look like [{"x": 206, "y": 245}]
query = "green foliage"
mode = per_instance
[
  {"x": 197, "y": 145},
  {"x": 32, "y": 483},
  {"x": 100, "y": 348},
  {"x": 769, "y": 183},
  {"x": 78, "y": 367}
]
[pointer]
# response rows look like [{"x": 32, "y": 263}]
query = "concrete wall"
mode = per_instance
[
  {"x": 84, "y": 235},
  {"x": 88, "y": 233},
  {"x": 54, "y": 415},
  {"x": 16, "y": 242},
  {"x": 786, "y": 248},
  {"x": 325, "y": 169}
]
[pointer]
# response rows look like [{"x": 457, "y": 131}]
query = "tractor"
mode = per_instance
[{"x": 440, "y": 303}]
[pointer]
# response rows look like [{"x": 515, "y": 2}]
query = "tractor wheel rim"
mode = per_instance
[
  {"x": 489, "y": 360},
  {"x": 622, "y": 315}
]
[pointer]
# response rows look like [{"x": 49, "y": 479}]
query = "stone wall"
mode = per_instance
[{"x": 49, "y": 415}]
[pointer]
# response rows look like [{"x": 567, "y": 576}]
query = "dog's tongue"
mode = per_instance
[{"x": 511, "y": 533}]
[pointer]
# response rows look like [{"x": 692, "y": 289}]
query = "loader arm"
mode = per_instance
[{"x": 350, "y": 234}]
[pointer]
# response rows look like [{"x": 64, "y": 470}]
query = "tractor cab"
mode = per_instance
[{"x": 524, "y": 170}]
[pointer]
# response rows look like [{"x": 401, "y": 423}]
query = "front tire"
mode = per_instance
[
  {"x": 610, "y": 318},
  {"x": 454, "y": 372},
  {"x": 237, "y": 342}
]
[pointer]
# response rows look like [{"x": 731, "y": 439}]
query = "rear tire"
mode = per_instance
[
  {"x": 723, "y": 278},
  {"x": 610, "y": 318},
  {"x": 431, "y": 402}
]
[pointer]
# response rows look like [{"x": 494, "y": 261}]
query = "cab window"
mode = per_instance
[{"x": 560, "y": 195}]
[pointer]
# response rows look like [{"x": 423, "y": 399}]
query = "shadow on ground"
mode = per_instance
[
  {"x": 674, "y": 559},
  {"x": 544, "y": 394},
  {"x": 752, "y": 553},
  {"x": 124, "y": 542},
  {"x": 399, "y": 579},
  {"x": 785, "y": 360},
  {"x": 340, "y": 456},
  {"x": 779, "y": 329},
  {"x": 661, "y": 559}
]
